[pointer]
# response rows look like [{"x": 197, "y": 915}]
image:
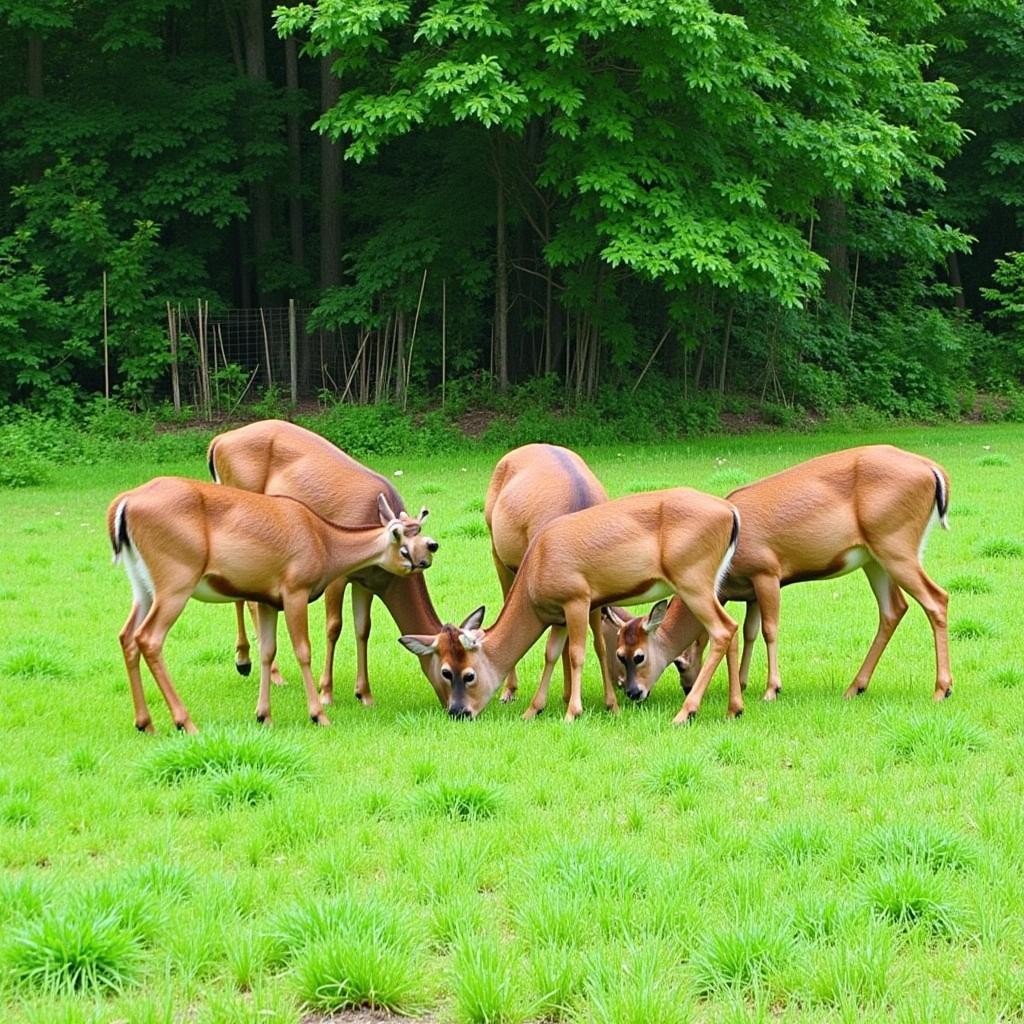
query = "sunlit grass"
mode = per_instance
[{"x": 815, "y": 861}]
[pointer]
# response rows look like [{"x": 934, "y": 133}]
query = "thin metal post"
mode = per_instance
[
  {"x": 106, "y": 346},
  {"x": 292, "y": 355}
]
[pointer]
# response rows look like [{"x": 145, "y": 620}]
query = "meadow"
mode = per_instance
[{"x": 814, "y": 860}]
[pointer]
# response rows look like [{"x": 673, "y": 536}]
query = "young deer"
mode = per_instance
[
  {"x": 181, "y": 538},
  {"x": 624, "y": 551},
  {"x": 870, "y": 508},
  {"x": 530, "y": 487},
  {"x": 275, "y": 457}
]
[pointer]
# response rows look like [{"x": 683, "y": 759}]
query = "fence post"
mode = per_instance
[
  {"x": 292, "y": 355},
  {"x": 106, "y": 347},
  {"x": 172, "y": 334}
]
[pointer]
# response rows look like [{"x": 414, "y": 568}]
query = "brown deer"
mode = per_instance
[
  {"x": 181, "y": 538},
  {"x": 619, "y": 552},
  {"x": 275, "y": 457},
  {"x": 870, "y": 508},
  {"x": 531, "y": 486}
]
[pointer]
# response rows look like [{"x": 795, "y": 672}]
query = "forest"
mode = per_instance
[{"x": 597, "y": 203}]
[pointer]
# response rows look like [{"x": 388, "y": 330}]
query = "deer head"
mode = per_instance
[{"x": 411, "y": 550}]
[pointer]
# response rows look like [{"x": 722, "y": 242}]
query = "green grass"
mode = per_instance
[{"x": 817, "y": 860}]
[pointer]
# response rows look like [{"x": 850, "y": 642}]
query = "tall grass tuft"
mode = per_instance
[
  {"x": 742, "y": 956},
  {"x": 723, "y": 481},
  {"x": 1002, "y": 547},
  {"x": 72, "y": 949},
  {"x": 930, "y": 737},
  {"x": 794, "y": 842},
  {"x": 484, "y": 983},
  {"x": 31, "y": 663},
  {"x": 969, "y": 583},
  {"x": 674, "y": 773},
  {"x": 244, "y": 786},
  {"x": 558, "y": 981},
  {"x": 634, "y": 985},
  {"x": 970, "y": 628},
  {"x": 906, "y": 894},
  {"x": 855, "y": 971},
  {"x": 218, "y": 751},
  {"x": 925, "y": 843},
  {"x": 460, "y": 801}
]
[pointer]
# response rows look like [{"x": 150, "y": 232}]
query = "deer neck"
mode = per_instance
[
  {"x": 408, "y": 601},
  {"x": 348, "y": 550},
  {"x": 678, "y": 630},
  {"x": 515, "y": 631}
]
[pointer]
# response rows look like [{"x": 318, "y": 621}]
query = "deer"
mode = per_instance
[
  {"x": 179, "y": 539},
  {"x": 625, "y": 551},
  {"x": 531, "y": 486},
  {"x": 869, "y": 508},
  {"x": 276, "y": 457}
]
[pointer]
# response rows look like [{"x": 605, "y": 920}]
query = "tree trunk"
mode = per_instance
[
  {"x": 291, "y": 70},
  {"x": 501, "y": 273},
  {"x": 955, "y": 282},
  {"x": 832, "y": 239},
  {"x": 330, "y": 184},
  {"x": 256, "y": 70},
  {"x": 725, "y": 347},
  {"x": 35, "y": 66}
]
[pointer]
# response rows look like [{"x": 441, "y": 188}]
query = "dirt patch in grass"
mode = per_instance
[{"x": 362, "y": 1017}]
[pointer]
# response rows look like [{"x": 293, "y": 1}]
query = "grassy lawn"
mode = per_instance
[{"x": 813, "y": 861}]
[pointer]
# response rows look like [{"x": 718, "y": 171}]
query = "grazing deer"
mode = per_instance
[
  {"x": 531, "y": 486},
  {"x": 275, "y": 457},
  {"x": 870, "y": 508},
  {"x": 181, "y": 538},
  {"x": 619, "y": 552}
]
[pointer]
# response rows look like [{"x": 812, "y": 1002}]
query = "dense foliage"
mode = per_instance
[{"x": 813, "y": 206}]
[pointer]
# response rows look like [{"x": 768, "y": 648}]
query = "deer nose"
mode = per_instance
[
  {"x": 459, "y": 711},
  {"x": 424, "y": 563},
  {"x": 634, "y": 692}
]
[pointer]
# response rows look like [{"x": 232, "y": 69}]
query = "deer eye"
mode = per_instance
[
  {"x": 621, "y": 657},
  {"x": 469, "y": 678},
  {"x": 638, "y": 658},
  {"x": 403, "y": 551},
  {"x": 432, "y": 546},
  {"x": 446, "y": 672}
]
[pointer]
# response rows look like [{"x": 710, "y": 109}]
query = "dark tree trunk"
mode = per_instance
[
  {"x": 832, "y": 239},
  {"x": 256, "y": 70},
  {"x": 291, "y": 69},
  {"x": 35, "y": 66},
  {"x": 501, "y": 272},
  {"x": 330, "y": 184},
  {"x": 955, "y": 282}
]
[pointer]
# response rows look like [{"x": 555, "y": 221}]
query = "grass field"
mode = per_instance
[{"x": 813, "y": 861}]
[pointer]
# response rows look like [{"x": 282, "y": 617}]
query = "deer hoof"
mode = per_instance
[
  {"x": 243, "y": 668},
  {"x": 320, "y": 719},
  {"x": 508, "y": 696}
]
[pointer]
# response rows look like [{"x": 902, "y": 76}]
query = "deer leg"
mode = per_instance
[
  {"x": 266, "y": 619},
  {"x": 892, "y": 606},
  {"x": 296, "y": 616},
  {"x": 361, "y": 601},
  {"x": 150, "y": 638},
  {"x": 751, "y": 627},
  {"x": 552, "y": 652},
  {"x": 766, "y": 588},
  {"x": 505, "y": 578},
  {"x": 130, "y": 649},
  {"x": 275, "y": 673},
  {"x": 600, "y": 649},
  {"x": 334, "y": 597},
  {"x": 721, "y": 630},
  {"x": 577, "y": 619},
  {"x": 243, "y": 660}
]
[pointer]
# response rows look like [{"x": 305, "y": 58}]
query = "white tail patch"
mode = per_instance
[
  {"x": 118, "y": 520},
  {"x": 134, "y": 564},
  {"x": 932, "y": 520},
  {"x": 941, "y": 502},
  {"x": 723, "y": 569}
]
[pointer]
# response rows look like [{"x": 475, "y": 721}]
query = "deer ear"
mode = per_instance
[
  {"x": 424, "y": 512},
  {"x": 384, "y": 509},
  {"x": 655, "y": 616},
  {"x": 474, "y": 619},
  {"x": 613, "y": 617},
  {"x": 420, "y": 645}
]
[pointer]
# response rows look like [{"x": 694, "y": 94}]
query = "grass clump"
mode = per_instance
[
  {"x": 470, "y": 528},
  {"x": 31, "y": 663},
  {"x": 1002, "y": 547},
  {"x": 674, "y": 773},
  {"x": 72, "y": 949},
  {"x": 1008, "y": 678},
  {"x": 971, "y": 629},
  {"x": 19, "y": 811},
  {"x": 244, "y": 786},
  {"x": 923, "y": 843},
  {"x": 460, "y": 801},
  {"x": 969, "y": 583},
  {"x": 930, "y": 738},
  {"x": 740, "y": 957},
  {"x": 906, "y": 895},
  {"x": 993, "y": 459},
  {"x": 221, "y": 751},
  {"x": 484, "y": 983},
  {"x": 638, "y": 989},
  {"x": 795, "y": 842},
  {"x": 642, "y": 486},
  {"x": 855, "y": 971}
]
